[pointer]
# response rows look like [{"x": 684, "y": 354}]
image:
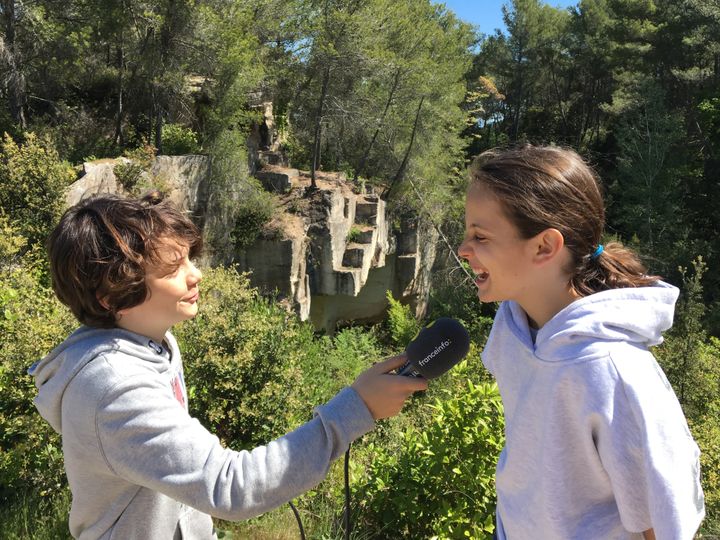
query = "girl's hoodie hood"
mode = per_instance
[
  {"x": 55, "y": 371},
  {"x": 637, "y": 316}
]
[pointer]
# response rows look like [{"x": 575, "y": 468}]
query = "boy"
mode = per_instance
[{"x": 139, "y": 466}]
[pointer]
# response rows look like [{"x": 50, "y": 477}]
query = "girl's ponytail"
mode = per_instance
[{"x": 612, "y": 266}]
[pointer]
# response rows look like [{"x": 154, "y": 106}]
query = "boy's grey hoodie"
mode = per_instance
[
  {"x": 596, "y": 446},
  {"x": 140, "y": 467}
]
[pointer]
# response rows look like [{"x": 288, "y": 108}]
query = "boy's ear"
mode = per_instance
[
  {"x": 547, "y": 245},
  {"x": 102, "y": 300}
]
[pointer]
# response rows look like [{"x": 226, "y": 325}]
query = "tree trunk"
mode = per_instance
[
  {"x": 119, "y": 112},
  {"x": 158, "y": 120},
  {"x": 16, "y": 80},
  {"x": 403, "y": 166},
  {"x": 318, "y": 128}
]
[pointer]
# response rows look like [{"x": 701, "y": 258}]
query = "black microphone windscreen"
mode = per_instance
[{"x": 436, "y": 349}]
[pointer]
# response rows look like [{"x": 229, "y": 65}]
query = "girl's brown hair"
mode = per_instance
[
  {"x": 542, "y": 187},
  {"x": 101, "y": 248}
]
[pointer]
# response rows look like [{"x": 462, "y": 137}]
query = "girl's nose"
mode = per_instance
[{"x": 463, "y": 251}]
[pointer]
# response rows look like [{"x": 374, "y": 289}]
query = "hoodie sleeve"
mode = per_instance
[
  {"x": 147, "y": 438},
  {"x": 649, "y": 454}
]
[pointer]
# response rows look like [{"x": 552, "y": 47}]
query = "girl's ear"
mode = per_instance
[{"x": 547, "y": 245}]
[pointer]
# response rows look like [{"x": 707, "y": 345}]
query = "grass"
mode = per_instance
[{"x": 39, "y": 518}]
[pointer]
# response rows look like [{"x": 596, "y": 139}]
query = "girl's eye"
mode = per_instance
[{"x": 480, "y": 238}]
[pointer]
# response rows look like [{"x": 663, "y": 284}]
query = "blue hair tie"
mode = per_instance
[{"x": 597, "y": 253}]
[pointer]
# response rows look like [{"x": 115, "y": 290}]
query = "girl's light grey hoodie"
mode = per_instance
[
  {"x": 597, "y": 447},
  {"x": 140, "y": 467}
]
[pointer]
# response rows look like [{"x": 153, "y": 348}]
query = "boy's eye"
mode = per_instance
[
  {"x": 480, "y": 238},
  {"x": 171, "y": 270}
]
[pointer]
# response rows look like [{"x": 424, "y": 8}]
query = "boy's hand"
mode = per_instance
[{"x": 385, "y": 394}]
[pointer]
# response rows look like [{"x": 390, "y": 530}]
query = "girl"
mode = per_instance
[{"x": 597, "y": 447}]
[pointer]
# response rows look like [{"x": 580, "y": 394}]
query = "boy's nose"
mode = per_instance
[{"x": 195, "y": 274}]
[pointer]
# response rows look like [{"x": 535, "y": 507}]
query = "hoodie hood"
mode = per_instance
[
  {"x": 636, "y": 316},
  {"x": 56, "y": 370}
]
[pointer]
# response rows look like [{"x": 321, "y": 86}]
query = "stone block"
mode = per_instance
[
  {"x": 366, "y": 212},
  {"x": 353, "y": 257},
  {"x": 279, "y": 181}
]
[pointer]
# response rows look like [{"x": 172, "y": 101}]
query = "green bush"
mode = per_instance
[
  {"x": 11, "y": 241},
  {"x": 33, "y": 181},
  {"x": 239, "y": 362},
  {"x": 706, "y": 431},
  {"x": 178, "y": 140},
  {"x": 134, "y": 174},
  {"x": 440, "y": 482},
  {"x": 251, "y": 216},
  {"x": 401, "y": 323},
  {"x": 32, "y": 322},
  {"x": 451, "y": 297}
]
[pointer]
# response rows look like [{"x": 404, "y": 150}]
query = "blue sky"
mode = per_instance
[{"x": 487, "y": 14}]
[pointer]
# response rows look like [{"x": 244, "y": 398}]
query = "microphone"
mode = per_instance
[{"x": 436, "y": 348}]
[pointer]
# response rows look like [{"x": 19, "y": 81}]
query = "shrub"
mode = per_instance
[
  {"x": 32, "y": 322},
  {"x": 440, "y": 482},
  {"x": 353, "y": 234},
  {"x": 238, "y": 359},
  {"x": 178, "y": 140},
  {"x": 251, "y": 216},
  {"x": 401, "y": 323},
  {"x": 451, "y": 297},
  {"x": 134, "y": 174},
  {"x": 11, "y": 242},
  {"x": 254, "y": 371},
  {"x": 33, "y": 181},
  {"x": 706, "y": 431}
]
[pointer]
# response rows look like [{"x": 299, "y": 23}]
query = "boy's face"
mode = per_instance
[{"x": 173, "y": 294}]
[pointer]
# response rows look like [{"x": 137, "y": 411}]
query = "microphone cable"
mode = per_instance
[
  {"x": 347, "y": 494},
  {"x": 299, "y": 521},
  {"x": 346, "y": 513}
]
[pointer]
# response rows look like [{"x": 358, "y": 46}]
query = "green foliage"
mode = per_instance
[
  {"x": 238, "y": 207},
  {"x": 32, "y": 322},
  {"x": 691, "y": 361},
  {"x": 244, "y": 355},
  {"x": 179, "y": 140},
  {"x": 11, "y": 242},
  {"x": 646, "y": 184},
  {"x": 30, "y": 515},
  {"x": 251, "y": 215},
  {"x": 239, "y": 361},
  {"x": 449, "y": 493},
  {"x": 453, "y": 297},
  {"x": 133, "y": 172},
  {"x": 33, "y": 181},
  {"x": 706, "y": 431},
  {"x": 692, "y": 369},
  {"x": 401, "y": 322},
  {"x": 353, "y": 234}
]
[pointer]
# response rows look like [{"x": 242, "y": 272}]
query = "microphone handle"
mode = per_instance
[{"x": 408, "y": 370}]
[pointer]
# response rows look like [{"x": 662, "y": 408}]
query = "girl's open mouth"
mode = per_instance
[{"x": 481, "y": 277}]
